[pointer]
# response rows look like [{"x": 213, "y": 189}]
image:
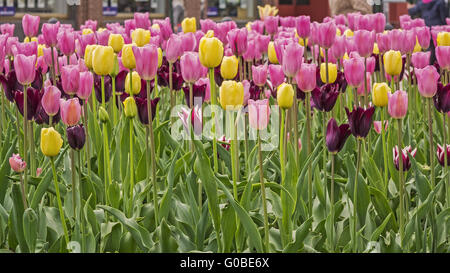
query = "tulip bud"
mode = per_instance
[
  {"x": 285, "y": 96},
  {"x": 76, "y": 136},
  {"x": 16, "y": 163},
  {"x": 229, "y": 67},
  {"x": 103, "y": 60},
  {"x": 70, "y": 111},
  {"x": 210, "y": 52},
  {"x": 103, "y": 114},
  {"x": 130, "y": 108},
  {"x": 189, "y": 25},
  {"x": 160, "y": 57},
  {"x": 380, "y": 94},
  {"x": 272, "y": 53},
  {"x": 443, "y": 39},
  {"x": 231, "y": 95},
  {"x": 140, "y": 36},
  {"x": 88, "y": 55},
  {"x": 50, "y": 100},
  {"x": 393, "y": 62},
  {"x": 116, "y": 42},
  {"x": 116, "y": 69},
  {"x": 128, "y": 59},
  {"x": 136, "y": 83},
  {"x": 332, "y": 73},
  {"x": 398, "y": 104},
  {"x": 258, "y": 113},
  {"x": 51, "y": 142},
  {"x": 336, "y": 136}
]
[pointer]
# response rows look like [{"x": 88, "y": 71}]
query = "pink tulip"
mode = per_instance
[
  {"x": 364, "y": 23},
  {"x": 377, "y": 126},
  {"x": 259, "y": 74},
  {"x": 70, "y": 111},
  {"x": 398, "y": 104},
  {"x": 354, "y": 71},
  {"x": 443, "y": 56},
  {"x": 379, "y": 22},
  {"x": 251, "y": 52},
  {"x": 10, "y": 43},
  {"x": 188, "y": 41},
  {"x": 174, "y": 48},
  {"x": 397, "y": 38},
  {"x": 271, "y": 24},
  {"x": 383, "y": 42},
  {"x": 91, "y": 24},
  {"x": 423, "y": 36},
  {"x": 25, "y": 67},
  {"x": 30, "y": 25},
  {"x": 146, "y": 61},
  {"x": 191, "y": 67},
  {"x": 42, "y": 65},
  {"x": 262, "y": 44},
  {"x": 303, "y": 26},
  {"x": 350, "y": 45},
  {"x": 83, "y": 41},
  {"x": 338, "y": 47},
  {"x": 70, "y": 79},
  {"x": 258, "y": 113},
  {"x": 3, "y": 40},
  {"x": 103, "y": 37},
  {"x": 142, "y": 20},
  {"x": 66, "y": 42},
  {"x": 409, "y": 41},
  {"x": 306, "y": 77},
  {"x": 353, "y": 20},
  {"x": 287, "y": 22},
  {"x": 16, "y": 163},
  {"x": 370, "y": 63},
  {"x": 7, "y": 29},
  {"x": 198, "y": 36},
  {"x": 276, "y": 74},
  {"x": 364, "y": 41},
  {"x": 258, "y": 26},
  {"x": 427, "y": 80},
  {"x": 420, "y": 59},
  {"x": 361, "y": 91},
  {"x": 340, "y": 19},
  {"x": 327, "y": 34},
  {"x": 292, "y": 59},
  {"x": 50, "y": 100},
  {"x": 85, "y": 85},
  {"x": 314, "y": 34},
  {"x": 237, "y": 39},
  {"x": 48, "y": 56},
  {"x": 50, "y": 34},
  {"x": 280, "y": 45},
  {"x": 130, "y": 25},
  {"x": 207, "y": 24},
  {"x": 38, "y": 172},
  {"x": 26, "y": 49}
]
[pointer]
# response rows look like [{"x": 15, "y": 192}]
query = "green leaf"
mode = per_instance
[
  {"x": 380, "y": 229},
  {"x": 30, "y": 228},
  {"x": 373, "y": 174},
  {"x": 300, "y": 235}
]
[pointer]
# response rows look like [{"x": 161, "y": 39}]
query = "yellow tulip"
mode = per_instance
[
  {"x": 130, "y": 108},
  {"x": 345, "y": 57},
  {"x": 417, "y": 47},
  {"x": 41, "y": 50},
  {"x": 348, "y": 33},
  {"x": 332, "y": 72},
  {"x": 51, "y": 142},
  {"x": 116, "y": 42},
  {"x": 209, "y": 34},
  {"x": 229, "y": 67},
  {"x": 380, "y": 94},
  {"x": 103, "y": 60},
  {"x": 103, "y": 114},
  {"x": 272, "y": 54},
  {"x": 338, "y": 32},
  {"x": 88, "y": 55},
  {"x": 160, "y": 57},
  {"x": 231, "y": 95},
  {"x": 140, "y": 36},
  {"x": 285, "y": 96},
  {"x": 393, "y": 62},
  {"x": 33, "y": 39},
  {"x": 136, "y": 83},
  {"x": 101, "y": 29},
  {"x": 128, "y": 59},
  {"x": 210, "y": 52},
  {"x": 376, "y": 50},
  {"x": 248, "y": 26},
  {"x": 87, "y": 31},
  {"x": 189, "y": 25},
  {"x": 443, "y": 39},
  {"x": 155, "y": 26}
]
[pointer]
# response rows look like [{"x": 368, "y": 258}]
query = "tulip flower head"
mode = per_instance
[
  {"x": 85, "y": 85},
  {"x": 306, "y": 77},
  {"x": 259, "y": 74},
  {"x": 128, "y": 59},
  {"x": 420, "y": 59},
  {"x": 443, "y": 39},
  {"x": 17, "y": 164},
  {"x": 231, "y": 95},
  {"x": 103, "y": 60},
  {"x": 140, "y": 36},
  {"x": 50, "y": 100},
  {"x": 364, "y": 41},
  {"x": 66, "y": 42},
  {"x": 116, "y": 41},
  {"x": 189, "y": 25},
  {"x": 440, "y": 152},
  {"x": 377, "y": 126},
  {"x": 427, "y": 80},
  {"x": 398, "y": 104},
  {"x": 354, "y": 71},
  {"x": 229, "y": 67},
  {"x": 25, "y": 67},
  {"x": 210, "y": 52},
  {"x": 285, "y": 96},
  {"x": 237, "y": 39},
  {"x": 259, "y": 113},
  {"x": 142, "y": 109},
  {"x": 130, "y": 108},
  {"x": 70, "y": 79},
  {"x": 70, "y": 111},
  {"x": 136, "y": 83},
  {"x": 292, "y": 59},
  {"x": 406, "y": 163},
  {"x": 442, "y": 98},
  {"x": 332, "y": 72},
  {"x": 392, "y": 62},
  {"x": 147, "y": 61},
  {"x": 336, "y": 136},
  {"x": 272, "y": 53},
  {"x": 76, "y": 136},
  {"x": 325, "y": 98},
  {"x": 51, "y": 142},
  {"x": 360, "y": 120},
  {"x": 50, "y": 34},
  {"x": 443, "y": 57},
  {"x": 380, "y": 94},
  {"x": 303, "y": 26},
  {"x": 276, "y": 74},
  {"x": 192, "y": 118},
  {"x": 327, "y": 34},
  {"x": 30, "y": 25}
]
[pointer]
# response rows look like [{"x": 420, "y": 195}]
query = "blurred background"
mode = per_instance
[{"x": 104, "y": 11}]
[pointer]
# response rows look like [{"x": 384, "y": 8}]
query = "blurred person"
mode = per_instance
[
  {"x": 433, "y": 12},
  {"x": 349, "y": 6},
  {"x": 178, "y": 14}
]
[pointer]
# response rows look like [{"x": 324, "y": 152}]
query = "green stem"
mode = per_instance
[
  {"x": 114, "y": 110},
  {"x": 308, "y": 149},
  {"x": 213, "y": 115},
  {"x": 355, "y": 198},
  {"x": 152, "y": 154},
  {"x": 383, "y": 139},
  {"x": 332, "y": 203},
  {"x": 32, "y": 151},
  {"x": 430, "y": 135},
  {"x": 88, "y": 149},
  {"x": 131, "y": 167},
  {"x": 25, "y": 136},
  {"x": 263, "y": 194},
  {"x": 400, "y": 178},
  {"x": 172, "y": 95},
  {"x": 80, "y": 191},
  {"x": 74, "y": 198},
  {"x": 58, "y": 198},
  {"x": 108, "y": 179},
  {"x": 232, "y": 152}
]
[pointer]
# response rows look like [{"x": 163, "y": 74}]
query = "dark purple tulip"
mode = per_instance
[
  {"x": 377, "y": 62},
  {"x": 38, "y": 80},
  {"x": 76, "y": 136},
  {"x": 318, "y": 78},
  {"x": 442, "y": 98},
  {"x": 405, "y": 158},
  {"x": 98, "y": 88},
  {"x": 198, "y": 90},
  {"x": 163, "y": 77},
  {"x": 255, "y": 91},
  {"x": 120, "y": 82},
  {"x": 441, "y": 155},
  {"x": 143, "y": 109},
  {"x": 325, "y": 97},
  {"x": 33, "y": 101},
  {"x": 360, "y": 121},
  {"x": 341, "y": 81},
  {"x": 10, "y": 85},
  {"x": 177, "y": 81},
  {"x": 217, "y": 76},
  {"x": 300, "y": 94},
  {"x": 336, "y": 135},
  {"x": 41, "y": 117}
]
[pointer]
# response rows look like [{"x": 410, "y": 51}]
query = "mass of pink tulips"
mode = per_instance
[{"x": 281, "y": 136}]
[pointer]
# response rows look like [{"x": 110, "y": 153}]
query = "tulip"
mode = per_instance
[
  {"x": 85, "y": 85},
  {"x": 142, "y": 109},
  {"x": 360, "y": 120},
  {"x": 354, "y": 71},
  {"x": 327, "y": 34},
  {"x": 259, "y": 74},
  {"x": 427, "y": 79},
  {"x": 210, "y": 52},
  {"x": 166, "y": 28},
  {"x": 409, "y": 42},
  {"x": 325, "y": 98},
  {"x": 51, "y": 142},
  {"x": 103, "y": 60},
  {"x": 377, "y": 126},
  {"x": 380, "y": 94},
  {"x": 420, "y": 59},
  {"x": 443, "y": 56},
  {"x": 147, "y": 61},
  {"x": 398, "y": 104},
  {"x": 30, "y": 25},
  {"x": 423, "y": 36},
  {"x": 50, "y": 34},
  {"x": 140, "y": 36},
  {"x": 303, "y": 26},
  {"x": 103, "y": 114},
  {"x": 26, "y": 49},
  {"x": 130, "y": 108},
  {"x": 188, "y": 42},
  {"x": 405, "y": 159},
  {"x": 258, "y": 113},
  {"x": 237, "y": 39},
  {"x": 7, "y": 29},
  {"x": 32, "y": 103},
  {"x": 442, "y": 98},
  {"x": 70, "y": 78},
  {"x": 76, "y": 136},
  {"x": 379, "y": 22},
  {"x": 191, "y": 67},
  {"x": 440, "y": 152},
  {"x": 392, "y": 62},
  {"x": 443, "y": 39},
  {"x": 136, "y": 83},
  {"x": 16, "y": 163},
  {"x": 10, "y": 43},
  {"x": 70, "y": 111},
  {"x": 128, "y": 58},
  {"x": 272, "y": 53},
  {"x": 306, "y": 77},
  {"x": 207, "y": 25},
  {"x": 196, "y": 119},
  {"x": 292, "y": 59},
  {"x": 364, "y": 42},
  {"x": 332, "y": 72},
  {"x": 339, "y": 47},
  {"x": 231, "y": 95},
  {"x": 336, "y": 136},
  {"x": 271, "y": 24},
  {"x": 229, "y": 67},
  {"x": 116, "y": 42},
  {"x": 50, "y": 100},
  {"x": 397, "y": 38},
  {"x": 87, "y": 55},
  {"x": 189, "y": 25},
  {"x": 25, "y": 68},
  {"x": 142, "y": 20},
  {"x": 66, "y": 42},
  {"x": 174, "y": 48},
  {"x": 103, "y": 37},
  {"x": 285, "y": 96}
]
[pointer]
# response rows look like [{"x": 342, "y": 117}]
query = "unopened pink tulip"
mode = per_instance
[
  {"x": 174, "y": 48},
  {"x": 142, "y": 20},
  {"x": 427, "y": 80},
  {"x": 354, "y": 71},
  {"x": 261, "y": 44},
  {"x": 146, "y": 61},
  {"x": 397, "y": 38},
  {"x": 271, "y": 24},
  {"x": 10, "y": 43},
  {"x": 292, "y": 59},
  {"x": 365, "y": 23},
  {"x": 306, "y": 77},
  {"x": 50, "y": 34},
  {"x": 26, "y": 49},
  {"x": 259, "y": 74},
  {"x": 207, "y": 24},
  {"x": 103, "y": 37},
  {"x": 70, "y": 111},
  {"x": 237, "y": 39},
  {"x": 370, "y": 63},
  {"x": 48, "y": 56},
  {"x": 66, "y": 42},
  {"x": 303, "y": 26},
  {"x": 16, "y": 163},
  {"x": 398, "y": 104},
  {"x": 7, "y": 29},
  {"x": 191, "y": 68},
  {"x": 327, "y": 34},
  {"x": 443, "y": 56},
  {"x": 188, "y": 41},
  {"x": 40, "y": 64},
  {"x": 25, "y": 67},
  {"x": 251, "y": 52},
  {"x": 85, "y": 85},
  {"x": 339, "y": 47},
  {"x": 409, "y": 42},
  {"x": 258, "y": 113},
  {"x": 377, "y": 126},
  {"x": 423, "y": 36},
  {"x": 30, "y": 25},
  {"x": 50, "y": 100},
  {"x": 70, "y": 78},
  {"x": 276, "y": 74},
  {"x": 364, "y": 41},
  {"x": 379, "y": 22},
  {"x": 383, "y": 42},
  {"x": 420, "y": 59}
]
